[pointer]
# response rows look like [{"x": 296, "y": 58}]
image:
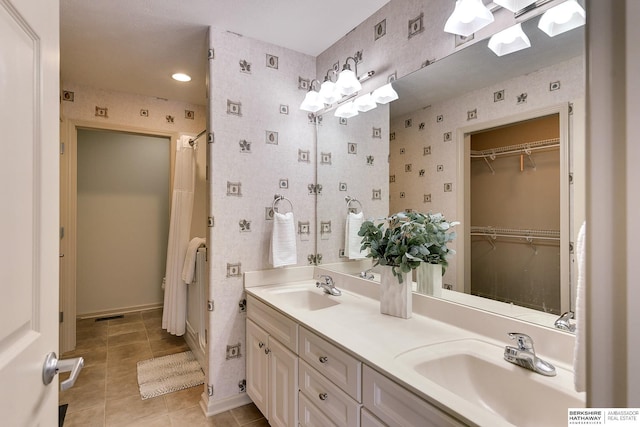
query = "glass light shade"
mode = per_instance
[
  {"x": 468, "y": 17},
  {"x": 384, "y": 94},
  {"x": 312, "y": 102},
  {"x": 508, "y": 41},
  {"x": 562, "y": 18},
  {"x": 329, "y": 93},
  {"x": 514, "y": 5},
  {"x": 348, "y": 82},
  {"x": 365, "y": 103},
  {"x": 346, "y": 110}
]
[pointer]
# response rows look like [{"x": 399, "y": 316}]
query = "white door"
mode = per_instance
[{"x": 29, "y": 183}]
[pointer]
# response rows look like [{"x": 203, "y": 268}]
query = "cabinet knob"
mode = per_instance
[
  {"x": 323, "y": 396},
  {"x": 260, "y": 344},
  {"x": 323, "y": 359}
]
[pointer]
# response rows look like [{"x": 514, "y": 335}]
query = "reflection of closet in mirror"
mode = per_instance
[{"x": 514, "y": 187}]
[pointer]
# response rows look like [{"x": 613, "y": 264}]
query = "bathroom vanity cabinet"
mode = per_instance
[{"x": 296, "y": 377}]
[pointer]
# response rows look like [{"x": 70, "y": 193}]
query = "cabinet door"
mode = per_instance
[
  {"x": 283, "y": 386},
  {"x": 257, "y": 367}
]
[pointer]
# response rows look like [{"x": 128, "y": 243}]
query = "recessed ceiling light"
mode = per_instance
[{"x": 181, "y": 77}]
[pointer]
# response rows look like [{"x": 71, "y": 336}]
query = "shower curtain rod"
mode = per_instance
[{"x": 192, "y": 140}]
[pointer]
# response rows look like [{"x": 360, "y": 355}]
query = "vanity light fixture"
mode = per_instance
[
  {"x": 346, "y": 110},
  {"x": 348, "y": 82},
  {"x": 508, "y": 41},
  {"x": 384, "y": 94},
  {"x": 468, "y": 17},
  {"x": 328, "y": 91},
  {"x": 181, "y": 77},
  {"x": 514, "y": 5},
  {"x": 365, "y": 103},
  {"x": 312, "y": 101},
  {"x": 562, "y": 18}
]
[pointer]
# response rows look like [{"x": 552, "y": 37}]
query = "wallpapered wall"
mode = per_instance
[
  {"x": 424, "y": 156},
  {"x": 140, "y": 113},
  {"x": 263, "y": 145}
]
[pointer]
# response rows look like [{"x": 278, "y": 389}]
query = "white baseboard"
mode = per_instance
[
  {"x": 212, "y": 407},
  {"x": 118, "y": 311}
]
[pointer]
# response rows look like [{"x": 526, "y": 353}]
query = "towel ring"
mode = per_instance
[
  {"x": 276, "y": 199},
  {"x": 350, "y": 200}
]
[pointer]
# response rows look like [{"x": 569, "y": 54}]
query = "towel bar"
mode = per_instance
[{"x": 276, "y": 199}]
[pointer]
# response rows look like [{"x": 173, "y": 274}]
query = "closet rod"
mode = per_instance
[
  {"x": 514, "y": 236},
  {"x": 516, "y": 149}
]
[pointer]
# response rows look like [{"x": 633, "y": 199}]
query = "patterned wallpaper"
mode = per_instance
[
  {"x": 423, "y": 154},
  {"x": 263, "y": 145}
]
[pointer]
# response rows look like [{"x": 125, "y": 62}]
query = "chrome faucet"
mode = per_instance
[
  {"x": 327, "y": 284},
  {"x": 563, "y": 322},
  {"x": 367, "y": 274},
  {"x": 524, "y": 355}
]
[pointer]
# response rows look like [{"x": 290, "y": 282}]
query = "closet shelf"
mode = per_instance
[{"x": 525, "y": 148}]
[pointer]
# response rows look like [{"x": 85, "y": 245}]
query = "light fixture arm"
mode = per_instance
[
  {"x": 327, "y": 77},
  {"x": 355, "y": 64},
  {"x": 311, "y": 84}
]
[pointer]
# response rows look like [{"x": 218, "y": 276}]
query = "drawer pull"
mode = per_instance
[
  {"x": 260, "y": 344},
  {"x": 323, "y": 359},
  {"x": 323, "y": 396}
]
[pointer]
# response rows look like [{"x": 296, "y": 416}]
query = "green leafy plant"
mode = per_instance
[{"x": 404, "y": 240}]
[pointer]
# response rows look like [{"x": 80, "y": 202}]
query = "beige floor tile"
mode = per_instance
[
  {"x": 246, "y": 414},
  {"x": 168, "y": 343},
  {"x": 194, "y": 417},
  {"x": 152, "y": 314},
  {"x": 258, "y": 423},
  {"x": 122, "y": 367},
  {"x": 80, "y": 398},
  {"x": 122, "y": 386},
  {"x": 132, "y": 408},
  {"x": 92, "y": 332},
  {"x": 140, "y": 350},
  {"x": 127, "y": 318},
  {"x": 151, "y": 421},
  {"x": 184, "y": 398},
  {"x": 90, "y": 376},
  {"x": 127, "y": 338},
  {"x": 153, "y": 324},
  {"x": 91, "y": 357},
  {"x": 89, "y": 417},
  {"x": 91, "y": 343},
  {"x": 126, "y": 328}
]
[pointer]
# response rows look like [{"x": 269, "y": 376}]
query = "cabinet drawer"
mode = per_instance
[
  {"x": 342, "y": 369},
  {"x": 310, "y": 416},
  {"x": 276, "y": 324},
  {"x": 397, "y": 406},
  {"x": 369, "y": 420},
  {"x": 328, "y": 398}
]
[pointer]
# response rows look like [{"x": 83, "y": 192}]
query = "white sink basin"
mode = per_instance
[
  {"x": 304, "y": 298},
  {"x": 475, "y": 371}
]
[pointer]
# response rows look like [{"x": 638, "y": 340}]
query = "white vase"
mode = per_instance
[
  {"x": 429, "y": 279},
  {"x": 395, "y": 297}
]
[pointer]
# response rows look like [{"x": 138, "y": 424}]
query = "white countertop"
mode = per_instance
[{"x": 357, "y": 326}]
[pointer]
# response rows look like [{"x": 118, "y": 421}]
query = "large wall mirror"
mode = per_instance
[{"x": 496, "y": 143}]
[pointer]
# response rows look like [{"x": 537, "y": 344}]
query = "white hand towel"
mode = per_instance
[
  {"x": 283, "y": 240},
  {"x": 580, "y": 351},
  {"x": 353, "y": 242},
  {"x": 189, "y": 267}
]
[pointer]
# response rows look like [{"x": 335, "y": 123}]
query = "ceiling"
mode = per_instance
[{"x": 135, "y": 46}]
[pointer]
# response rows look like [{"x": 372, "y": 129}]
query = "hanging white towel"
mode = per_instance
[
  {"x": 189, "y": 268},
  {"x": 283, "y": 240},
  {"x": 353, "y": 242},
  {"x": 174, "y": 313},
  {"x": 580, "y": 351}
]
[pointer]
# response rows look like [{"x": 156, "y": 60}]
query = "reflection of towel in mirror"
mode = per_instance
[
  {"x": 353, "y": 242},
  {"x": 189, "y": 266},
  {"x": 580, "y": 351},
  {"x": 283, "y": 240}
]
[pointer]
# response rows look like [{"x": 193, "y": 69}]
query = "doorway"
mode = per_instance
[{"x": 122, "y": 220}]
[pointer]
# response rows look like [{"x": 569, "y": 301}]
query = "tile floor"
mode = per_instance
[{"x": 106, "y": 392}]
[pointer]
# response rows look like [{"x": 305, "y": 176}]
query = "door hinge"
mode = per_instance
[
  {"x": 210, "y": 305},
  {"x": 210, "y": 221},
  {"x": 61, "y": 316},
  {"x": 61, "y": 233},
  {"x": 211, "y": 54},
  {"x": 211, "y": 137},
  {"x": 61, "y": 148}
]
